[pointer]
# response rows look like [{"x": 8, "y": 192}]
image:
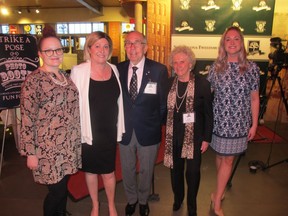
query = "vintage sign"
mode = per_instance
[{"x": 18, "y": 58}]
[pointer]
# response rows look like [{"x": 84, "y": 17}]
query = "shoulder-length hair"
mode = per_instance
[
  {"x": 222, "y": 59},
  {"x": 92, "y": 38}
]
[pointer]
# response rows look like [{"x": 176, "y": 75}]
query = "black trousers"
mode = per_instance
[
  {"x": 192, "y": 174},
  {"x": 56, "y": 199}
]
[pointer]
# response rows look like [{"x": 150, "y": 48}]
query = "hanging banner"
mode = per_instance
[
  {"x": 214, "y": 16},
  {"x": 18, "y": 58}
]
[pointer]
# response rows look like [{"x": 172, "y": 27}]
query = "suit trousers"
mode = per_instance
[
  {"x": 137, "y": 190},
  {"x": 192, "y": 174}
]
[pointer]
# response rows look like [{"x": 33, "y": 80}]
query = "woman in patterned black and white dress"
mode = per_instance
[{"x": 235, "y": 82}]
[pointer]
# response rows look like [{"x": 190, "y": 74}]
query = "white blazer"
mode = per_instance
[{"x": 80, "y": 75}]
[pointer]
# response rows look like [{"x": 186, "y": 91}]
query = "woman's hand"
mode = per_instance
[
  {"x": 32, "y": 162},
  {"x": 204, "y": 146},
  {"x": 252, "y": 132}
]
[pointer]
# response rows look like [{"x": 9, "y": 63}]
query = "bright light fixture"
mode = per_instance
[{"x": 4, "y": 11}]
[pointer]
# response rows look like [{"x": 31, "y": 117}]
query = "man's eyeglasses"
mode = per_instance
[
  {"x": 128, "y": 44},
  {"x": 50, "y": 52}
]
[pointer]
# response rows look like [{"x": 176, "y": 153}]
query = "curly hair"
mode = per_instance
[
  {"x": 183, "y": 49},
  {"x": 222, "y": 59},
  {"x": 92, "y": 38}
]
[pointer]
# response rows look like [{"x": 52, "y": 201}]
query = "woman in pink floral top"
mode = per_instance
[{"x": 50, "y": 124}]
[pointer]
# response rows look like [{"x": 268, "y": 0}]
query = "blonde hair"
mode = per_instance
[
  {"x": 183, "y": 49},
  {"x": 92, "y": 38},
  {"x": 221, "y": 61}
]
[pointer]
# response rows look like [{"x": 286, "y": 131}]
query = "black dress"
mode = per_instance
[{"x": 99, "y": 158}]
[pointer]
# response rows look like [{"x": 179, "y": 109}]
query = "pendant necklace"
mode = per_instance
[
  {"x": 180, "y": 97},
  {"x": 58, "y": 82}
]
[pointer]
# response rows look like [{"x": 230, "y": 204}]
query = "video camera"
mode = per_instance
[{"x": 279, "y": 58}]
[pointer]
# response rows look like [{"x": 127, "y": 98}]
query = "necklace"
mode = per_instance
[
  {"x": 58, "y": 82},
  {"x": 101, "y": 74},
  {"x": 180, "y": 97}
]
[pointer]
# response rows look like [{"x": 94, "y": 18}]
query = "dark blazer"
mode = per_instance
[
  {"x": 148, "y": 112},
  {"x": 203, "y": 112}
]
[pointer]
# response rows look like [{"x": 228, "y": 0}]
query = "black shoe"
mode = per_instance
[
  {"x": 144, "y": 210},
  {"x": 62, "y": 213},
  {"x": 130, "y": 209},
  {"x": 176, "y": 206}
]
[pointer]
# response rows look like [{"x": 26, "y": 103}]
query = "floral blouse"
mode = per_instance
[{"x": 50, "y": 126}]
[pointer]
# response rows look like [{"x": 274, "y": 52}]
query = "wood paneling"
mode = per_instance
[{"x": 158, "y": 30}]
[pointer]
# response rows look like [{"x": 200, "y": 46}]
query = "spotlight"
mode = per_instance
[
  {"x": 37, "y": 11},
  {"x": 4, "y": 11},
  {"x": 19, "y": 12}
]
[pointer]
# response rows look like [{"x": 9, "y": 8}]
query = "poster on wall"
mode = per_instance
[
  {"x": 214, "y": 16},
  {"x": 18, "y": 58},
  {"x": 206, "y": 47}
]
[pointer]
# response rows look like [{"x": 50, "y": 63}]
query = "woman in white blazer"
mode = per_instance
[{"x": 101, "y": 116}]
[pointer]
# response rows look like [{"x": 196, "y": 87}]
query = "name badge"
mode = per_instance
[
  {"x": 151, "y": 88},
  {"x": 188, "y": 117}
]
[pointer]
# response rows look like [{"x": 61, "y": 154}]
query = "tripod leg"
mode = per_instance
[
  {"x": 282, "y": 94},
  {"x": 266, "y": 98},
  {"x": 229, "y": 183},
  {"x": 153, "y": 196},
  {"x": 267, "y": 167}
]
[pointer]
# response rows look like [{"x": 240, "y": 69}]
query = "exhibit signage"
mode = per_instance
[{"x": 18, "y": 58}]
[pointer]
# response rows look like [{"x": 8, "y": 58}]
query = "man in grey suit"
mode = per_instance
[{"x": 144, "y": 85}]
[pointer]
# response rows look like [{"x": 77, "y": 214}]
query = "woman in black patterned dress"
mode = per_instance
[
  {"x": 101, "y": 114},
  {"x": 50, "y": 124}
]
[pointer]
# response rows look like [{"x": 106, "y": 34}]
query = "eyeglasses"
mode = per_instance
[
  {"x": 135, "y": 44},
  {"x": 50, "y": 52}
]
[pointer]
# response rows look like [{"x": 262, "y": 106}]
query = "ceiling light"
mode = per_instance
[
  {"x": 4, "y": 11},
  {"x": 19, "y": 12},
  {"x": 37, "y": 11}
]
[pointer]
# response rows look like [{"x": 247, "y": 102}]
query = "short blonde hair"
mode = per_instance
[
  {"x": 186, "y": 50},
  {"x": 92, "y": 38}
]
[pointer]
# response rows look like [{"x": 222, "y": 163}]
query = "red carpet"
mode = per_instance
[
  {"x": 77, "y": 186},
  {"x": 266, "y": 135}
]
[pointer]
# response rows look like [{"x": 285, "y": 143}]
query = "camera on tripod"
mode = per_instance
[{"x": 278, "y": 58}]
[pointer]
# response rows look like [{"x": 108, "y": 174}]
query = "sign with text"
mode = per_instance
[
  {"x": 206, "y": 46},
  {"x": 18, "y": 58}
]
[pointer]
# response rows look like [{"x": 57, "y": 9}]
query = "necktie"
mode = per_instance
[{"x": 133, "y": 85}]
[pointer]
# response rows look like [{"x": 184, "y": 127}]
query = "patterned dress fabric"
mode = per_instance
[
  {"x": 50, "y": 126},
  {"x": 133, "y": 84},
  {"x": 232, "y": 107}
]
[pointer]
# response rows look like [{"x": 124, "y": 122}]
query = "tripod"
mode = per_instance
[{"x": 274, "y": 77}]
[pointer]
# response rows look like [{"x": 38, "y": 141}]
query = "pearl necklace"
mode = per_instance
[
  {"x": 58, "y": 82},
  {"x": 180, "y": 97}
]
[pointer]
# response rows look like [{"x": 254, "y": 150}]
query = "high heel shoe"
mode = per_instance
[
  {"x": 219, "y": 212},
  {"x": 212, "y": 206}
]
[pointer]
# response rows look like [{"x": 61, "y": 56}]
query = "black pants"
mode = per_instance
[
  {"x": 192, "y": 179},
  {"x": 56, "y": 199}
]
